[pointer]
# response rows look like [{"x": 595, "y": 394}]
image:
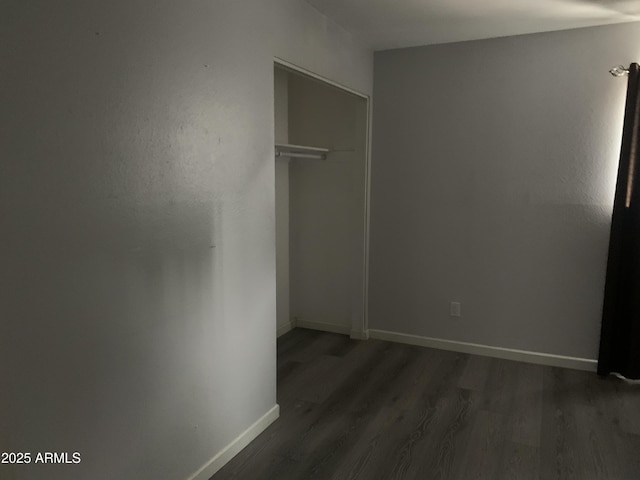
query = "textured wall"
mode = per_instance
[
  {"x": 137, "y": 279},
  {"x": 494, "y": 168}
]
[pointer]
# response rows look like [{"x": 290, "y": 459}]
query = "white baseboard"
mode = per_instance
[
  {"x": 359, "y": 334},
  {"x": 227, "y": 453},
  {"x": 287, "y": 327},
  {"x": 325, "y": 327},
  {"x": 575, "y": 363}
]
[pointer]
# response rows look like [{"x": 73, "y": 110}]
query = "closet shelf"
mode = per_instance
[{"x": 301, "y": 151}]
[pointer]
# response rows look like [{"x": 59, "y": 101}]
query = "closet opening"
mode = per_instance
[{"x": 321, "y": 187}]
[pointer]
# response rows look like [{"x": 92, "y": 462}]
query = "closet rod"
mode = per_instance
[{"x": 315, "y": 156}]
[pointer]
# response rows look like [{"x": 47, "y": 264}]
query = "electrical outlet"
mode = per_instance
[{"x": 455, "y": 309}]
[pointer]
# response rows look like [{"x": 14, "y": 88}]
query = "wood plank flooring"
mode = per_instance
[{"x": 372, "y": 410}]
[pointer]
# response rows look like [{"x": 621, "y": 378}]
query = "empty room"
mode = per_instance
[{"x": 319, "y": 239}]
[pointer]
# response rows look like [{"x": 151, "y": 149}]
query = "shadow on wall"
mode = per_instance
[{"x": 102, "y": 312}]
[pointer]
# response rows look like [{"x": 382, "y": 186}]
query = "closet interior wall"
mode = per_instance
[
  {"x": 320, "y": 205},
  {"x": 281, "y": 110}
]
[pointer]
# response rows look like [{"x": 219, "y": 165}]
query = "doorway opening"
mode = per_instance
[{"x": 322, "y": 203}]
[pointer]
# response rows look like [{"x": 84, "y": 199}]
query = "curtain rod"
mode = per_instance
[{"x": 619, "y": 71}]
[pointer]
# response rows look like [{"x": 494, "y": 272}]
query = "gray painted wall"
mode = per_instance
[
  {"x": 137, "y": 279},
  {"x": 493, "y": 175}
]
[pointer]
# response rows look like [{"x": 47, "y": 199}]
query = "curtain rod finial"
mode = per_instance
[{"x": 619, "y": 71}]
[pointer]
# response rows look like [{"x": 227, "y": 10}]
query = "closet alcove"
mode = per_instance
[{"x": 321, "y": 204}]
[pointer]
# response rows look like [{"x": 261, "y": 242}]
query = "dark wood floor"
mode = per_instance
[{"x": 379, "y": 410}]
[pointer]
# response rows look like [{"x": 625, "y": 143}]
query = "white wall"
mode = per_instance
[
  {"x": 494, "y": 168},
  {"x": 327, "y": 206},
  {"x": 137, "y": 288},
  {"x": 303, "y": 37}
]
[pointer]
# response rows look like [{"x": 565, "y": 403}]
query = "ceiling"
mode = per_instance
[{"x": 386, "y": 24}]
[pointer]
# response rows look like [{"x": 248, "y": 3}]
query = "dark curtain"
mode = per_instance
[{"x": 620, "y": 334}]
